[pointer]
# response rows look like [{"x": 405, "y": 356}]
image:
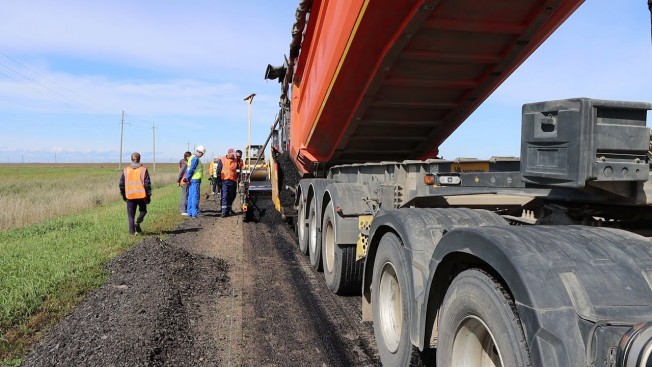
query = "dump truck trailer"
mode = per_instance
[{"x": 540, "y": 260}]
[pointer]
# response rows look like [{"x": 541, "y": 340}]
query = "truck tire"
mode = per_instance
[
  {"x": 479, "y": 324},
  {"x": 341, "y": 272},
  {"x": 314, "y": 237},
  {"x": 389, "y": 300},
  {"x": 302, "y": 231}
]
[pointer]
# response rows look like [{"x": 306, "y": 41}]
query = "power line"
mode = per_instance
[
  {"x": 46, "y": 90},
  {"x": 52, "y": 82}
]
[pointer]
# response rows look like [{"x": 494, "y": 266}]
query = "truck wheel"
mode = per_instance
[
  {"x": 302, "y": 232},
  {"x": 479, "y": 325},
  {"x": 314, "y": 237},
  {"x": 342, "y": 274},
  {"x": 389, "y": 300}
]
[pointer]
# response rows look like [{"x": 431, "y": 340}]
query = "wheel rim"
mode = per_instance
[
  {"x": 329, "y": 242},
  {"x": 390, "y": 304},
  {"x": 313, "y": 230},
  {"x": 474, "y": 345}
]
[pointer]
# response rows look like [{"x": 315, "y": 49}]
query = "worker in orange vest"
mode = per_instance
[
  {"x": 183, "y": 183},
  {"x": 228, "y": 170},
  {"x": 136, "y": 189}
]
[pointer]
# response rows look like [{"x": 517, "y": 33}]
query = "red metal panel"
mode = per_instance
[
  {"x": 391, "y": 80},
  {"x": 329, "y": 29}
]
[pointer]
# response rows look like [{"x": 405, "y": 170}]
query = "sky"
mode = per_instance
[{"x": 180, "y": 70}]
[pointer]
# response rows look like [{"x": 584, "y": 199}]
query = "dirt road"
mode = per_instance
[{"x": 214, "y": 292}]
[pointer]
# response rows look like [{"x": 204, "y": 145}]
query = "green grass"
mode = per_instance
[{"x": 46, "y": 268}]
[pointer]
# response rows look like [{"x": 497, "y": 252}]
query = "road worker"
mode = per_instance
[
  {"x": 238, "y": 158},
  {"x": 183, "y": 183},
  {"x": 214, "y": 176},
  {"x": 194, "y": 174},
  {"x": 136, "y": 190},
  {"x": 227, "y": 167}
]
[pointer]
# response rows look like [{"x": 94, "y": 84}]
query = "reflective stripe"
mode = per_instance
[
  {"x": 229, "y": 167},
  {"x": 135, "y": 183}
]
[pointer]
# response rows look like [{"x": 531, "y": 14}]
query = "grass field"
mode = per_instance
[
  {"x": 60, "y": 226},
  {"x": 33, "y": 193}
]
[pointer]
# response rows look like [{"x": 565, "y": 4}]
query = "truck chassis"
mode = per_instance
[{"x": 540, "y": 261}]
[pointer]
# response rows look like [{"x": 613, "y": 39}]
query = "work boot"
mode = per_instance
[{"x": 138, "y": 230}]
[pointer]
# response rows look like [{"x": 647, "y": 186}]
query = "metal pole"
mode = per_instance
[
  {"x": 269, "y": 137},
  {"x": 249, "y": 99},
  {"x": 122, "y": 125},
  {"x": 154, "y": 140}
]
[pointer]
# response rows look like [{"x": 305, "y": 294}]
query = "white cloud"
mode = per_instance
[{"x": 205, "y": 37}]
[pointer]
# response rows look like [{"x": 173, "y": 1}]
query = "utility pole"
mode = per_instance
[
  {"x": 122, "y": 125},
  {"x": 249, "y": 99},
  {"x": 154, "y": 140},
  {"x": 188, "y": 149}
]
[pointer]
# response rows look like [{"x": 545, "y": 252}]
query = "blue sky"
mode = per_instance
[{"x": 180, "y": 72}]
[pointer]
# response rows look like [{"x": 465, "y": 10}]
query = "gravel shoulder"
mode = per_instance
[{"x": 213, "y": 292}]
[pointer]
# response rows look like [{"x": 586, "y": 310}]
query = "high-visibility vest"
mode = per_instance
[
  {"x": 182, "y": 182},
  {"x": 135, "y": 183},
  {"x": 199, "y": 170},
  {"x": 229, "y": 169},
  {"x": 212, "y": 169}
]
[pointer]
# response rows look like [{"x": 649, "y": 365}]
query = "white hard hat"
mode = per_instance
[{"x": 201, "y": 148}]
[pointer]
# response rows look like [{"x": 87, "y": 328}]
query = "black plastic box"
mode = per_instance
[{"x": 570, "y": 142}]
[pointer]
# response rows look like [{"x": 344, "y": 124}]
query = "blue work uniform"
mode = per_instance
[{"x": 195, "y": 173}]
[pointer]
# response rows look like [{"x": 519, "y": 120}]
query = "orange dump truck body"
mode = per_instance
[{"x": 390, "y": 80}]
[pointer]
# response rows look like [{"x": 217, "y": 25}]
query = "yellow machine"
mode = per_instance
[
  {"x": 254, "y": 176},
  {"x": 254, "y": 163}
]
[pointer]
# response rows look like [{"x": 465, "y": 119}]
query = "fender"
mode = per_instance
[
  {"x": 563, "y": 280},
  {"x": 349, "y": 203},
  {"x": 419, "y": 230}
]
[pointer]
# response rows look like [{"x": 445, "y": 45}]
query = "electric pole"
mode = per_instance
[
  {"x": 122, "y": 125},
  {"x": 154, "y": 140}
]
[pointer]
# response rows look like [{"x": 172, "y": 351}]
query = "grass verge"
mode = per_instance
[{"x": 47, "y": 268}]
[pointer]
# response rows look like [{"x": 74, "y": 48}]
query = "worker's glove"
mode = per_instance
[
  {"x": 124, "y": 198},
  {"x": 148, "y": 200}
]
